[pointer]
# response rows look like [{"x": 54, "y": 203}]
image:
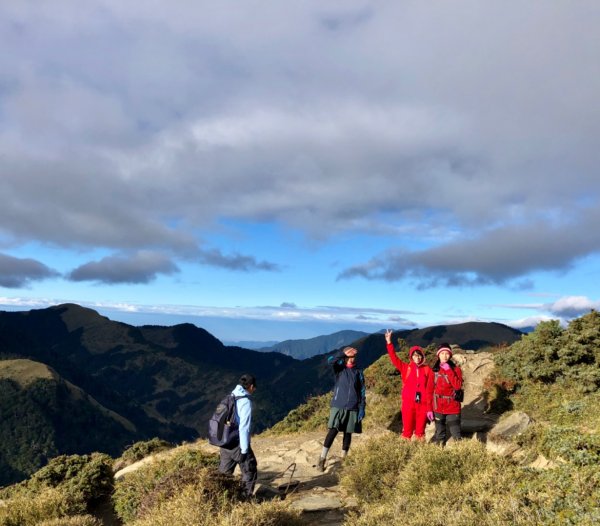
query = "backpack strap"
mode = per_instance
[
  {"x": 236, "y": 398},
  {"x": 437, "y": 375}
]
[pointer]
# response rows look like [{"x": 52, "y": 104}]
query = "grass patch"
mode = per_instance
[
  {"x": 192, "y": 508},
  {"x": 423, "y": 484},
  {"x": 157, "y": 481}
]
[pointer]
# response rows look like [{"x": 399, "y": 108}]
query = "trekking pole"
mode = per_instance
[{"x": 289, "y": 483}]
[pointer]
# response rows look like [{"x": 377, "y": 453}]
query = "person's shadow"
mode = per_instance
[{"x": 396, "y": 424}]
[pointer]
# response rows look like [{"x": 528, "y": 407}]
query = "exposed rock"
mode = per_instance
[
  {"x": 504, "y": 449},
  {"x": 510, "y": 426},
  {"x": 319, "y": 500},
  {"x": 500, "y": 438},
  {"x": 541, "y": 462}
]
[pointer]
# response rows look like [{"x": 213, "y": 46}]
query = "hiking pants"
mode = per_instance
[
  {"x": 332, "y": 433},
  {"x": 231, "y": 458},
  {"x": 414, "y": 420},
  {"x": 441, "y": 421}
]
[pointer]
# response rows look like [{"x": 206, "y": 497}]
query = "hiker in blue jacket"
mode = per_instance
[
  {"x": 242, "y": 454},
  {"x": 348, "y": 403}
]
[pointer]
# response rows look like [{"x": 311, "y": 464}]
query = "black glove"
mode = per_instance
[{"x": 243, "y": 457}]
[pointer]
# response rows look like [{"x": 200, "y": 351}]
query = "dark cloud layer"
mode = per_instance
[
  {"x": 235, "y": 261},
  {"x": 20, "y": 272},
  {"x": 496, "y": 257},
  {"x": 142, "y": 267}
]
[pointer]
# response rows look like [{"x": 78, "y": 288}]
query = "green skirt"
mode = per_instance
[{"x": 344, "y": 420}]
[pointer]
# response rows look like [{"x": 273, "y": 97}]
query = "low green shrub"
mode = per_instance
[
  {"x": 87, "y": 479},
  {"x": 216, "y": 488},
  {"x": 140, "y": 450},
  {"x": 132, "y": 489},
  {"x": 580, "y": 449},
  {"x": 24, "y": 509},
  {"x": 67, "y": 486}
]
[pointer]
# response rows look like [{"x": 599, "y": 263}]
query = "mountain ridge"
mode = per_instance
[{"x": 306, "y": 348}]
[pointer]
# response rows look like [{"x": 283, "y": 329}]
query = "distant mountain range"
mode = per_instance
[
  {"x": 302, "y": 349},
  {"x": 250, "y": 344},
  {"x": 73, "y": 381}
]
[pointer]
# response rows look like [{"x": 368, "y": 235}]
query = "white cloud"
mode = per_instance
[
  {"x": 572, "y": 306},
  {"x": 527, "y": 322},
  {"x": 286, "y": 311}
]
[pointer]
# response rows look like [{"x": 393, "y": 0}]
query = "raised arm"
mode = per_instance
[
  {"x": 398, "y": 364},
  {"x": 337, "y": 361}
]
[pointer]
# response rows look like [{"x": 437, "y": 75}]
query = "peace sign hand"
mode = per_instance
[{"x": 388, "y": 336}]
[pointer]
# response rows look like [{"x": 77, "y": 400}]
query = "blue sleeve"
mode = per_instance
[
  {"x": 244, "y": 411},
  {"x": 337, "y": 361}
]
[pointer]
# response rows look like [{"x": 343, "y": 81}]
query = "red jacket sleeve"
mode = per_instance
[
  {"x": 398, "y": 363},
  {"x": 455, "y": 377},
  {"x": 429, "y": 386}
]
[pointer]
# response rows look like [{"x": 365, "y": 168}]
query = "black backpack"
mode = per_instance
[{"x": 223, "y": 431}]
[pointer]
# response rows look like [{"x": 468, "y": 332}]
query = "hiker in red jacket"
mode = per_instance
[
  {"x": 447, "y": 380},
  {"x": 417, "y": 378}
]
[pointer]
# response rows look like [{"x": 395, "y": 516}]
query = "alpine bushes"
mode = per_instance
[
  {"x": 66, "y": 490},
  {"x": 551, "y": 354}
]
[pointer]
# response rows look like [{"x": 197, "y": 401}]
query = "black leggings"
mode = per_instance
[
  {"x": 331, "y": 436},
  {"x": 441, "y": 421}
]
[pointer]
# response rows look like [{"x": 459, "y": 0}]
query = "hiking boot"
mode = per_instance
[{"x": 321, "y": 464}]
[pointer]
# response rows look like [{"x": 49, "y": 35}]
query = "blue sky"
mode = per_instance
[{"x": 272, "y": 170}]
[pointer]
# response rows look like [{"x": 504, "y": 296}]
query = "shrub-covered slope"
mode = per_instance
[{"x": 42, "y": 416}]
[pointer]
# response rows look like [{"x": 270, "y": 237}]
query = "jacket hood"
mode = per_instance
[
  {"x": 416, "y": 349},
  {"x": 240, "y": 391}
]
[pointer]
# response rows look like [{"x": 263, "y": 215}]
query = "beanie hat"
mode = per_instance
[{"x": 444, "y": 348}]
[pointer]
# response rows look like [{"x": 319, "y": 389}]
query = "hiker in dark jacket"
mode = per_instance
[
  {"x": 242, "y": 454},
  {"x": 348, "y": 403},
  {"x": 446, "y": 409}
]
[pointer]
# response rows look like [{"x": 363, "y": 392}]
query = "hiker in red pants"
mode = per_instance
[{"x": 416, "y": 390}]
